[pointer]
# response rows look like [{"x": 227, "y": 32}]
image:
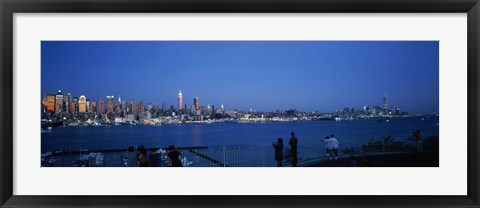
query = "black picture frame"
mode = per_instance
[{"x": 9, "y": 7}]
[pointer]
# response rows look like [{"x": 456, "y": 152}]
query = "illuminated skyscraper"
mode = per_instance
[
  {"x": 109, "y": 104},
  {"x": 74, "y": 106},
  {"x": 124, "y": 105},
  {"x": 180, "y": 99},
  {"x": 155, "y": 108},
  {"x": 58, "y": 102},
  {"x": 141, "y": 107},
  {"x": 51, "y": 103},
  {"x": 101, "y": 107},
  {"x": 196, "y": 103},
  {"x": 149, "y": 107},
  {"x": 133, "y": 107},
  {"x": 385, "y": 102},
  {"x": 164, "y": 107},
  {"x": 66, "y": 102},
  {"x": 92, "y": 106},
  {"x": 44, "y": 102},
  {"x": 68, "y": 97},
  {"x": 71, "y": 108},
  {"x": 118, "y": 106},
  {"x": 82, "y": 104}
]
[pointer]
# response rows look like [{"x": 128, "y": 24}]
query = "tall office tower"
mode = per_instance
[
  {"x": 72, "y": 108},
  {"x": 164, "y": 107},
  {"x": 92, "y": 107},
  {"x": 75, "y": 105},
  {"x": 185, "y": 107},
  {"x": 172, "y": 108},
  {"x": 195, "y": 102},
  {"x": 118, "y": 108},
  {"x": 58, "y": 102},
  {"x": 66, "y": 102},
  {"x": 88, "y": 105},
  {"x": 124, "y": 105},
  {"x": 223, "y": 109},
  {"x": 118, "y": 105},
  {"x": 51, "y": 103},
  {"x": 213, "y": 110},
  {"x": 141, "y": 107},
  {"x": 133, "y": 107},
  {"x": 192, "y": 110},
  {"x": 44, "y": 102},
  {"x": 180, "y": 99},
  {"x": 149, "y": 107},
  {"x": 109, "y": 104},
  {"x": 101, "y": 107},
  {"x": 385, "y": 102},
  {"x": 82, "y": 104}
]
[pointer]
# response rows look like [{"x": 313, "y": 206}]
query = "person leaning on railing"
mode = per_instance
[{"x": 331, "y": 146}]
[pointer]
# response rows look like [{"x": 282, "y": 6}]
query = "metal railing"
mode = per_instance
[
  {"x": 232, "y": 156},
  {"x": 213, "y": 156}
]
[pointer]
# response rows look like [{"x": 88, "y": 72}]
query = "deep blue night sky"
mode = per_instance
[{"x": 263, "y": 75}]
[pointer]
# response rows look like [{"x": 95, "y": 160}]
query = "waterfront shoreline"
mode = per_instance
[{"x": 225, "y": 121}]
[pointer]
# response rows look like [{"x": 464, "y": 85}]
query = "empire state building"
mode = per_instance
[{"x": 180, "y": 100}]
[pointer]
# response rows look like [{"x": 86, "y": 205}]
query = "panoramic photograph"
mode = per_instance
[{"x": 277, "y": 104}]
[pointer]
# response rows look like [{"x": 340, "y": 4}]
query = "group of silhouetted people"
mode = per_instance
[
  {"x": 140, "y": 158},
  {"x": 278, "y": 146},
  {"x": 331, "y": 147}
]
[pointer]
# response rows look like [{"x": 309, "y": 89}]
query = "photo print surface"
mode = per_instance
[{"x": 239, "y": 104}]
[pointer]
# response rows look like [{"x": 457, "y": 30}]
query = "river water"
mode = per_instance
[{"x": 349, "y": 133}]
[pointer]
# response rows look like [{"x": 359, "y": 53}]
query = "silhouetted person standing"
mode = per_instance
[
  {"x": 174, "y": 156},
  {"x": 132, "y": 157},
  {"x": 418, "y": 139},
  {"x": 293, "y": 148},
  {"x": 278, "y": 146},
  {"x": 143, "y": 157}
]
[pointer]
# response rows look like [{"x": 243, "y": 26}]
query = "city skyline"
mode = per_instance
[
  {"x": 413, "y": 85},
  {"x": 180, "y": 105}
]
